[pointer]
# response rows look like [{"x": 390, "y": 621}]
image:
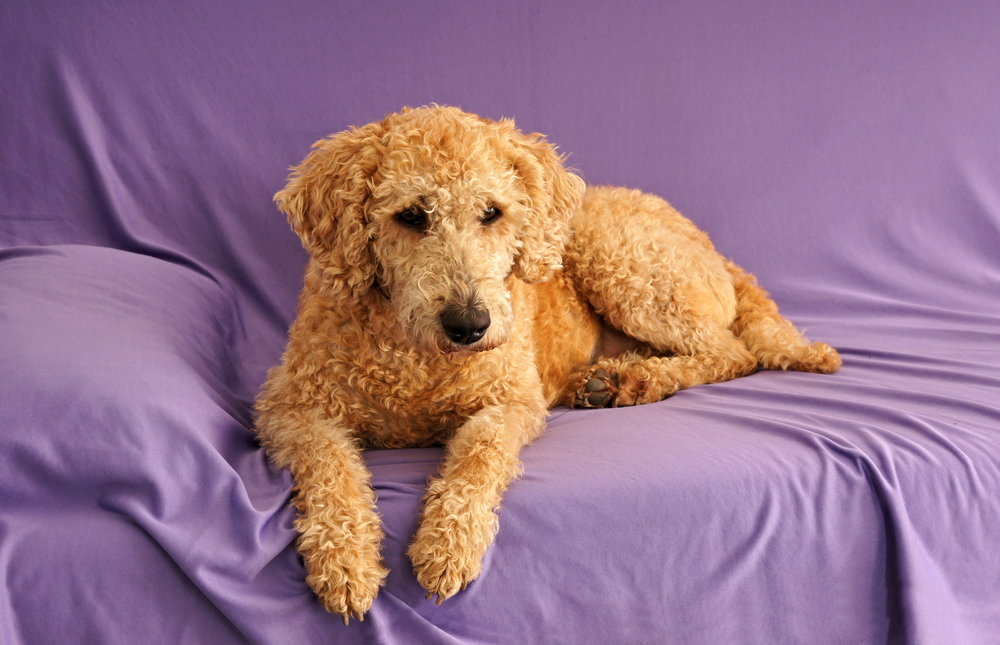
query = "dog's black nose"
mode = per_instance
[{"x": 465, "y": 325}]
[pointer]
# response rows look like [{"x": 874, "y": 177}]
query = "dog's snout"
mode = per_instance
[{"x": 465, "y": 325}]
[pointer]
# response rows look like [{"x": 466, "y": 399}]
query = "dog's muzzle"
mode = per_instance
[{"x": 465, "y": 325}]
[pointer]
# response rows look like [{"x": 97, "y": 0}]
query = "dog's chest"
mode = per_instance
[{"x": 395, "y": 397}]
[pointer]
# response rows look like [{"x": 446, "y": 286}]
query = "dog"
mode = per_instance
[{"x": 461, "y": 281}]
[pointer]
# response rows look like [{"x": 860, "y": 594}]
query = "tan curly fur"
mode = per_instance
[{"x": 460, "y": 282}]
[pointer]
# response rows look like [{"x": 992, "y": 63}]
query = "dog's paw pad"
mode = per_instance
[
  {"x": 599, "y": 382},
  {"x": 599, "y": 399},
  {"x": 598, "y": 390}
]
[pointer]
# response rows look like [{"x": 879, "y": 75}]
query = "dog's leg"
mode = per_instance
[
  {"x": 769, "y": 336},
  {"x": 715, "y": 355},
  {"x": 340, "y": 535},
  {"x": 704, "y": 350},
  {"x": 651, "y": 274},
  {"x": 459, "y": 521}
]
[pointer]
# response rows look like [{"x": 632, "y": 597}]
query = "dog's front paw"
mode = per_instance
[
  {"x": 344, "y": 584},
  {"x": 448, "y": 549},
  {"x": 344, "y": 567},
  {"x": 442, "y": 567}
]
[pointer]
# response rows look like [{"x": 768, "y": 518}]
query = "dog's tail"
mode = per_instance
[{"x": 769, "y": 336}]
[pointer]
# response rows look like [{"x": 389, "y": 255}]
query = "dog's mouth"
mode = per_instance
[
  {"x": 462, "y": 352},
  {"x": 454, "y": 350}
]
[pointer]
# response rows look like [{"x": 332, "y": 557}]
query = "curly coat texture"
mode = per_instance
[{"x": 460, "y": 282}]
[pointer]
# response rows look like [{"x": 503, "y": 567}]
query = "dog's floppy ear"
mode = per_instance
[
  {"x": 324, "y": 201},
  {"x": 555, "y": 194}
]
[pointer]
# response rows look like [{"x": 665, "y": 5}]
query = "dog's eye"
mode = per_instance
[
  {"x": 413, "y": 217},
  {"x": 491, "y": 215}
]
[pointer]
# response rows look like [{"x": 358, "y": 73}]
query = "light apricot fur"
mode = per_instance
[{"x": 595, "y": 297}]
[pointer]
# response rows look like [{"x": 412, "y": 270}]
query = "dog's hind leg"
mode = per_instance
[
  {"x": 769, "y": 336},
  {"x": 703, "y": 351},
  {"x": 648, "y": 271},
  {"x": 651, "y": 274},
  {"x": 634, "y": 378}
]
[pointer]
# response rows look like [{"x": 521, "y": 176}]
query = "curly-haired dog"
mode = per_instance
[{"x": 460, "y": 282}]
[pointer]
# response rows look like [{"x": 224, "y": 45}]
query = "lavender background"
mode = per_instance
[{"x": 846, "y": 153}]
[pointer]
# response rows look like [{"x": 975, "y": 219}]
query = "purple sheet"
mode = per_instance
[{"x": 847, "y": 154}]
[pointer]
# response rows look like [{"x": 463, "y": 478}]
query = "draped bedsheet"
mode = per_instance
[{"x": 847, "y": 154}]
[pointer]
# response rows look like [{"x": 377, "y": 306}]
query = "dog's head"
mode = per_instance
[{"x": 437, "y": 210}]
